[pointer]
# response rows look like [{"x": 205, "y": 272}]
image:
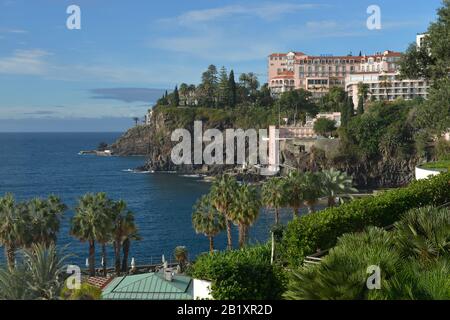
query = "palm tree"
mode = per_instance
[
  {"x": 363, "y": 90},
  {"x": 385, "y": 83},
  {"x": 184, "y": 92},
  {"x": 333, "y": 183},
  {"x": 131, "y": 234},
  {"x": 294, "y": 191},
  {"x": 44, "y": 219},
  {"x": 273, "y": 195},
  {"x": 92, "y": 222},
  {"x": 223, "y": 192},
  {"x": 12, "y": 227},
  {"x": 245, "y": 211},
  {"x": 311, "y": 190},
  {"x": 181, "y": 255},
  {"x": 207, "y": 220},
  {"x": 424, "y": 233}
]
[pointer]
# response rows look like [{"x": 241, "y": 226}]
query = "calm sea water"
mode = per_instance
[{"x": 39, "y": 164}]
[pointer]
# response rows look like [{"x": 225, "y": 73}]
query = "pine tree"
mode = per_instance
[
  {"x": 223, "y": 91},
  {"x": 232, "y": 90},
  {"x": 176, "y": 98},
  {"x": 347, "y": 111},
  {"x": 360, "y": 109}
]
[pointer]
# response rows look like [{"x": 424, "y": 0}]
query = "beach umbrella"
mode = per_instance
[
  {"x": 87, "y": 262},
  {"x": 133, "y": 263}
]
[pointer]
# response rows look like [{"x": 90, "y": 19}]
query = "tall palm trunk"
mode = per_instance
[
  {"x": 126, "y": 251},
  {"x": 211, "y": 244},
  {"x": 117, "y": 257},
  {"x": 277, "y": 216},
  {"x": 229, "y": 240},
  {"x": 272, "y": 253},
  {"x": 104, "y": 258},
  {"x": 10, "y": 254},
  {"x": 92, "y": 258},
  {"x": 296, "y": 212},
  {"x": 241, "y": 228}
]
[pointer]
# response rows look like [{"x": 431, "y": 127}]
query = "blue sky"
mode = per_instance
[{"x": 97, "y": 78}]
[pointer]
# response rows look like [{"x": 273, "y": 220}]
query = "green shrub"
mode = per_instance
[
  {"x": 244, "y": 274},
  {"x": 320, "y": 230},
  {"x": 86, "y": 292},
  {"x": 413, "y": 261}
]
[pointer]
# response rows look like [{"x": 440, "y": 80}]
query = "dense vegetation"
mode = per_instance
[
  {"x": 413, "y": 262},
  {"x": 245, "y": 274},
  {"x": 309, "y": 233},
  {"x": 30, "y": 228}
]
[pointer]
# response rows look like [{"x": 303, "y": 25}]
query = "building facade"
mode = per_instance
[
  {"x": 386, "y": 86},
  {"x": 317, "y": 74}
]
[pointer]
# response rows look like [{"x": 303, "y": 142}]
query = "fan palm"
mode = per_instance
[
  {"x": 223, "y": 192},
  {"x": 294, "y": 191},
  {"x": 311, "y": 190},
  {"x": 181, "y": 255},
  {"x": 92, "y": 222},
  {"x": 245, "y": 211},
  {"x": 342, "y": 274},
  {"x": 207, "y": 220},
  {"x": 12, "y": 228},
  {"x": 44, "y": 219},
  {"x": 333, "y": 183},
  {"x": 273, "y": 195},
  {"x": 424, "y": 233}
]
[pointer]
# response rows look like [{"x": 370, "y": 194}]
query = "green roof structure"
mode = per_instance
[{"x": 149, "y": 286}]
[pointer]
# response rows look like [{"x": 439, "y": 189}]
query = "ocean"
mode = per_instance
[{"x": 39, "y": 164}]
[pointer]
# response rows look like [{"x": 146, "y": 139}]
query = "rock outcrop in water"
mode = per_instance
[{"x": 135, "y": 142}]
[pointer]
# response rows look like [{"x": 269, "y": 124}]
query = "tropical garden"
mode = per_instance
[
  {"x": 36, "y": 269},
  {"x": 412, "y": 255}
]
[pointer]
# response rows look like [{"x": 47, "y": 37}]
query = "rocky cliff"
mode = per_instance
[
  {"x": 135, "y": 142},
  {"x": 154, "y": 141}
]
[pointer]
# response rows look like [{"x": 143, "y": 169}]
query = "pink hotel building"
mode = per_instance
[{"x": 317, "y": 74}]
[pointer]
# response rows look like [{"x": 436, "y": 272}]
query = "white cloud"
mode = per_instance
[
  {"x": 216, "y": 45},
  {"x": 265, "y": 11},
  {"x": 24, "y": 62}
]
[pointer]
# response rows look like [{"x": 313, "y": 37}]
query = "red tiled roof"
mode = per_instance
[{"x": 99, "y": 282}]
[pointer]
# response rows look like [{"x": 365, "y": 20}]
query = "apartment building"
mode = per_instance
[
  {"x": 317, "y": 74},
  {"x": 386, "y": 86}
]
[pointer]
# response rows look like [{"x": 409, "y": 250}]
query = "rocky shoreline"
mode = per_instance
[{"x": 153, "y": 141}]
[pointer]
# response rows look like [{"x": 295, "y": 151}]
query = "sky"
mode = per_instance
[{"x": 127, "y": 53}]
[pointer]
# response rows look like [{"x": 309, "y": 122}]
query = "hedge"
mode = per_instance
[
  {"x": 244, "y": 274},
  {"x": 307, "y": 234}
]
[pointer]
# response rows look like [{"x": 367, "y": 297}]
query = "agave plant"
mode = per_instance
[
  {"x": 39, "y": 276},
  {"x": 334, "y": 183}
]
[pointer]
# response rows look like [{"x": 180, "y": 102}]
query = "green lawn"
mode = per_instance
[{"x": 444, "y": 164}]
